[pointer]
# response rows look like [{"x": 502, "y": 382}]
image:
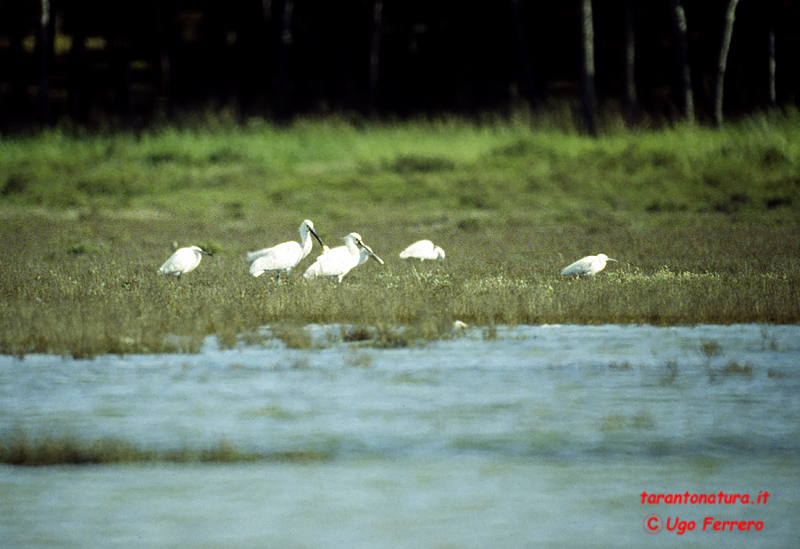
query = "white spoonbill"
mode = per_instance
[
  {"x": 363, "y": 256},
  {"x": 338, "y": 261},
  {"x": 587, "y": 266},
  {"x": 184, "y": 260},
  {"x": 283, "y": 257},
  {"x": 422, "y": 250}
]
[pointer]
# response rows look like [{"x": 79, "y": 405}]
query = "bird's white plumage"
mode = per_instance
[
  {"x": 183, "y": 261},
  {"x": 422, "y": 250},
  {"x": 339, "y": 261},
  {"x": 364, "y": 255},
  {"x": 283, "y": 257},
  {"x": 587, "y": 266}
]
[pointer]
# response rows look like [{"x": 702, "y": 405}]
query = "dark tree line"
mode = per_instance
[{"x": 132, "y": 62}]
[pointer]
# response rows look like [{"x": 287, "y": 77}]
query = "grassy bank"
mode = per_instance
[
  {"x": 408, "y": 172},
  {"x": 704, "y": 224}
]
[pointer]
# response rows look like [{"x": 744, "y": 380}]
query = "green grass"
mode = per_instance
[
  {"x": 704, "y": 224},
  {"x": 489, "y": 171}
]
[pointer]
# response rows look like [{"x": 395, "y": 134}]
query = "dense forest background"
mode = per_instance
[{"x": 97, "y": 63}]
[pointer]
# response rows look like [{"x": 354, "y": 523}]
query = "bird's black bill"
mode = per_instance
[{"x": 313, "y": 232}]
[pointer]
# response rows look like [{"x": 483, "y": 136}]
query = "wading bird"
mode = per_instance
[
  {"x": 363, "y": 256},
  {"x": 283, "y": 257},
  {"x": 422, "y": 250},
  {"x": 587, "y": 266},
  {"x": 184, "y": 260},
  {"x": 338, "y": 261}
]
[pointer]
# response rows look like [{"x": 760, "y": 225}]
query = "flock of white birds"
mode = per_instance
[{"x": 337, "y": 262}]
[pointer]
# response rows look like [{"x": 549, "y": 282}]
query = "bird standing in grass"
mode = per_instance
[
  {"x": 422, "y": 250},
  {"x": 587, "y": 266},
  {"x": 184, "y": 260},
  {"x": 283, "y": 257},
  {"x": 363, "y": 256},
  {"x": 339, "y": 261}
]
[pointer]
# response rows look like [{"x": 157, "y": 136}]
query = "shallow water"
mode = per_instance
[{"x": 540, "y": 436}]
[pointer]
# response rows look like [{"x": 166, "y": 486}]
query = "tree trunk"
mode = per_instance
[
  {"x": 283, "y": 62},
  {"x": 78, "y": 89},
  {"x": 44, "y": 56},
  {"x": 722, "y": 60},
  {"x": 3, "y": 107},
  {"x": 122, "y": 61},
  {"x": 166, "y": 31},
  {"x": 682, "y": 46},
  {"x": 773, "y": 96},
  {"x": 374, "y": 56},
  {"x": 629, "y": 99},
  {"x": 531, "y": 91},
  {"x": 587, "y": 87}
]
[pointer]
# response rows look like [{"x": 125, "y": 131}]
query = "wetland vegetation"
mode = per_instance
[
  {"x": 704, "y": 223},
  {"x": 20, "y": 449}
]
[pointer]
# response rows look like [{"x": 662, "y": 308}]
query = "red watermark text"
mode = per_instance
[
  {"x": 653, "y": 523},
  {"x": 720, "y": 498}
]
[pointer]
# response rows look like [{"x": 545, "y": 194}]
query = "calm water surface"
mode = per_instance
[{"x": 536, "y": 437}]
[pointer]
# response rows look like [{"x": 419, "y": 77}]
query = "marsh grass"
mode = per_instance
[
  {"x": 704, "y": 224},
  {"x": 359, "y": 360},
  {"x": 671, "y": 375},
  {"x": 111, "y": 300},
  {"x": 731, "y": 369},
  {"x": 772, "y": 373},
  {"x": 617, "y": 422},
  {"x": 22, "y": 450},
  {"x": 294, "y": 336},
  {"x": 710, "y": 348}
]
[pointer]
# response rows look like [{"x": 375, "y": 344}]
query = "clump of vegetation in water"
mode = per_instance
[{"x": 20, "y": 449}]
